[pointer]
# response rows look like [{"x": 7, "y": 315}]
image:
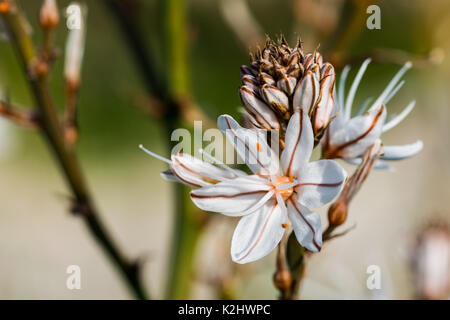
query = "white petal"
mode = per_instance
[
  {"x": 287, "y": 84},
  {"x": 391, "y": 86},
  {"x": 320, "y": 182},
  {"x": 325, "y": 105},
  {"x": 306, "y": 93},
  {"x": 403, "y": 151},
  {"x": 358, "y": 134},
  {"x": 338, "y": 122},
  {"x": 306, "y": 224},
  {"x": 276, "y": 98},
  {"x": 341, "y": 90},
  {"x": 299, "y": 143},
  {"x": 399, "y": 118},
  {"x": 169, "y": 176},
  {"x": 257, "y": 234},
  {"x": 258, "y": 108},
  {"x": 354, "y": 87},
  {"x": 231, "y": 197},
  {"x": 379, "y": 164},
  {"x": 197, "y": 173},
  {"x": 393, "y": 92},
  {"x": 250, "y": 145}
]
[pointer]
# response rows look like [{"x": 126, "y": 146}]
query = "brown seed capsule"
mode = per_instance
[
  {"x": 337, "y": 214},
  {"x": 282, "y": 279}
]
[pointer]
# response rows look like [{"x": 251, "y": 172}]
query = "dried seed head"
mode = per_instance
[
  {"x": 284, "y": 80},
  {"x": 49, "y": 15}
]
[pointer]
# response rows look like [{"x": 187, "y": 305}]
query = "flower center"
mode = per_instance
[{"x": 280, "y": 186}]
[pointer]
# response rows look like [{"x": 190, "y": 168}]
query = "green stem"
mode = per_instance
[
  {"x": 51, "y": 129},
  {"x": 188, "y": 223}
]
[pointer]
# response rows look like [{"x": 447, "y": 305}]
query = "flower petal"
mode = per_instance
[
  {"x": 306, "y": 93},
  {"x": 276, "y": 98},
  {"x": 379, "y": 164},
  {"x": 169, "y": 176},
  {"x": 353, "y": 88},
  {"x": 326, "y": 102},
  {"x": 257, "y": 234},
  {"x": 250, "y": 145},
  {"x": 232, "y": 197},
  {"x": 197, "y": 173},
  {"x": 258, "y": 108},
  {"x": 390, "y": 87},
  {"x": 341, "y": 87},
  {"x": 402, "y": 152},
  {"x": 306, "y": 224},
  {"x": 358, "y": 134},
  {"x": 287, "y": 84},
  {"x": 320, "y": 182},
  {"x": 299, "y": 143},
  {"x": 399, "y": 118}
]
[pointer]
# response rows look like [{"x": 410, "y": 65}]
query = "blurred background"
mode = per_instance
[{"x": 39, "y": 238}]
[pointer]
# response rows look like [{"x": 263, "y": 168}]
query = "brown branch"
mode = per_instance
[
  {"x": 26, "y": 119},
  {"x": 82, "y": 204}
]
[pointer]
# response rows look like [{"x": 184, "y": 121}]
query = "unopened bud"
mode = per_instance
[
  {"x": 5, "y": 7},
  {"x": 282, "y": 279},
  {"x": 337, "y": 214},
  {"x": 40, "y": 68},
  {"x": 75, "y": 48},
  {"x": 49, "y": 15}
]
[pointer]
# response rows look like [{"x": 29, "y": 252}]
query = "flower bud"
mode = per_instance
[
  {"x": 282, "y": 279},
  {"x": 5, "y": 7},
  {"x": 337, "y": 213},
  {"x": 75, "y": 50},
  {"x": 285, "y": 80},
  {"x": 49, "y": 15}
]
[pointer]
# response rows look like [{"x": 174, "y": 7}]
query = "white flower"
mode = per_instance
[
  {"x": 270, "y": 197},
  {"x": 348, "y": 138}
]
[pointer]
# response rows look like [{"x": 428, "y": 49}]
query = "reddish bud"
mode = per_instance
[{"x": 337, "y": 214}]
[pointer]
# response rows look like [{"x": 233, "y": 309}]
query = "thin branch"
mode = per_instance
[
  {"x": 37, "y": 76},
  {"x": 24, "y": 118},
  {"x": 173, "y": 105}
]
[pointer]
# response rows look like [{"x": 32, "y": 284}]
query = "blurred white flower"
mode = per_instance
[{"x": 348, "y": 137}]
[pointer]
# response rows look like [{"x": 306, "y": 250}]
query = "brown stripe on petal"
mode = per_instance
[
  {"x": 226, "y": 196},
  {"x": 260, "y": 233},
  {"x": 202, "y": 176},
  {"x": 299, "y": 137},
  {"x": 334, "y": 152},
  {"x": 307, "y": 222},
  {"x": 186, "y": 182},
  {"x": 330, "y": 185},
  {"x": 244, "y": 143}
]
